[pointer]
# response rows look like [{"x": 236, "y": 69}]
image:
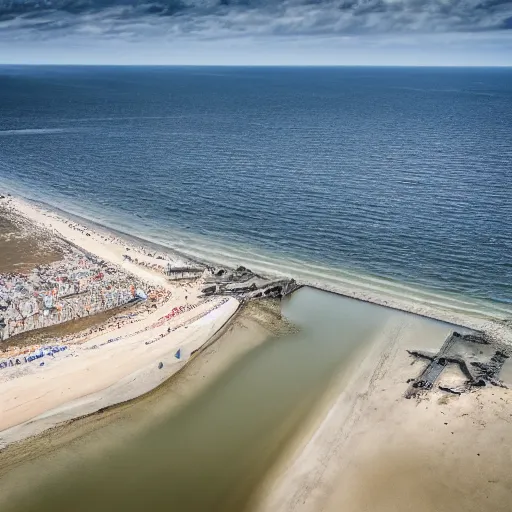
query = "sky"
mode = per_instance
[{"x": 257, "y": 32}]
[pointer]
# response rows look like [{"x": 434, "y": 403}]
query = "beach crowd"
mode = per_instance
[{"x": 78, "y": 285}]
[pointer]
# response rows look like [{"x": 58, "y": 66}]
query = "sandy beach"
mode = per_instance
[
  {"x": 279, "y": 280},
  {"x": 360, "y": 444},
  {"x": 95, "y": 371},
  {"x": 370, "y": 448}
]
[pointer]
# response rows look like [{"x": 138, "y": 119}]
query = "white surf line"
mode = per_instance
[
  {"x": 315, "y": 274},
  {"x": 478, "y": 316}
]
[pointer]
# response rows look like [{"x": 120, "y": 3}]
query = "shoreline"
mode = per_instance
[
  {"x": 367, "y": 446},
  {"x": 34, "y": 398},
  {"x": 27, "y": 209},
  {"x": 81, "y": 438},
  {"x": 94, "y": 225},
  {"x": 498, "y": 328},
  {"x": 133, "y": 386}
]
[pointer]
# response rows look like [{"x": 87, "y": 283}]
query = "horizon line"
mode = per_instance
[{"x": 449, "y": 66}]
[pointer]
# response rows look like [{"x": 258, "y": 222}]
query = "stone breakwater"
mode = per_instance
[{"x": 245, "y": 284}]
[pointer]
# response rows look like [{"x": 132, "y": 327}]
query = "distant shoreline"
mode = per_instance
[{"x": 254, "y": 66}]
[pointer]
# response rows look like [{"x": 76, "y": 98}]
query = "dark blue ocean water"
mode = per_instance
[{"x": 386, "y": 179}]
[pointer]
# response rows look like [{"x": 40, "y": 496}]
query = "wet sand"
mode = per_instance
[
  {"x": 21, "y": 247},
  {"x": 248, "y": 421},
  {"x": 89, "y": 379}
]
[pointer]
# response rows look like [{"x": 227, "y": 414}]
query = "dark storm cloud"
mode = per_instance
[{"x": 222, "y": 18}]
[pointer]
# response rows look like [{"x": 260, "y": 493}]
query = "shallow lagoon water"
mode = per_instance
[{"x": 214, "y": 452}]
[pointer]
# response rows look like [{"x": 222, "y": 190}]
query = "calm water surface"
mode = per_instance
[{"x": 396, "y": 180}]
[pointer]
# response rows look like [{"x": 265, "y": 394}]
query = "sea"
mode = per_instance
[{"x": 393, "y": 181}]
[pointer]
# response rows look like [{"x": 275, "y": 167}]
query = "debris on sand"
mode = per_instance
[{"x": 464, "y": 350}]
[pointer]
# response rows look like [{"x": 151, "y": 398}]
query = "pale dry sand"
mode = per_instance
[
  {"x": 370, "y": 449},
  {"x": 33, "y": 398},
  {"x": 111, "y": 249},
  {"x": 92, "y": 379}
]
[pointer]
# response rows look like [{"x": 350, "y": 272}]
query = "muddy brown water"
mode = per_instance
[
  {"x": 506, "y": 373},
  {"x": 213, "y": 453}
]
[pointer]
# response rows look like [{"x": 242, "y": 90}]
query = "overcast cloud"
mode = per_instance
[{"x": 165, "y": 21}]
